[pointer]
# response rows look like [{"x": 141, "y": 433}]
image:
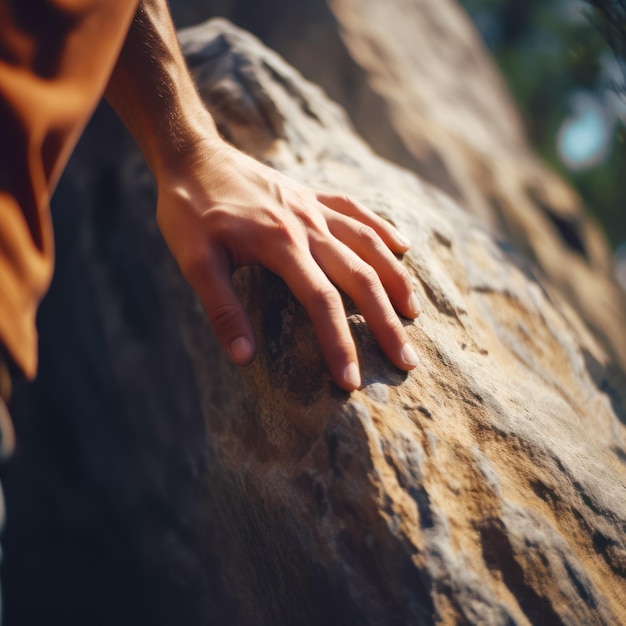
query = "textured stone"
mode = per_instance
[
  {"x": 488, "y": 486},
  {"x": 422, "y": 90}
]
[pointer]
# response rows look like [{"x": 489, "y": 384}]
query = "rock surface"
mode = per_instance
[
  {"x": 422, "y": 90},
  {"x": 158, "y": 484}
]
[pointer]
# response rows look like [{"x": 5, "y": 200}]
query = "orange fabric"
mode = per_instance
[{"x": 56, "y": 57}]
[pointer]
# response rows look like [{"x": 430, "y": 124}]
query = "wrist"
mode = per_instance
[{"x": 183, "y": 138}]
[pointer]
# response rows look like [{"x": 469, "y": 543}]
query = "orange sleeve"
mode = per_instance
[{"x": 56, "y": 57}]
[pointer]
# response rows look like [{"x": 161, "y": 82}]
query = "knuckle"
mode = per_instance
[
  {"x": 218, "y": 221},
  {"x": 224, "y": 318},
  {"x": 282, "y": 231},
  {"x": 310, "y": 215},
  {"x": 365, "y": 276},
  {"x": 369, "y": 235},
  {"x": 194, "y": 264},
  {"x": 407, "y": 282},
  {"x": 306, "y": 218},
  {"x": 402, "y": 275},
  {"x": 324, "y": 298},
  {"x": 366, "y": 232},
  {"x": 345, "y": 199},
  {"x": 392, "y": 322}
]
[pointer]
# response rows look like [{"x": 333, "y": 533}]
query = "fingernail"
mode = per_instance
[
  {"x": 402, "y": 240},
  {"x": 241, "y": 350},
  {"x": 414, "y": 304},
  {"x": 408, "y": 355},
  {"x": 351, "y": 375}
]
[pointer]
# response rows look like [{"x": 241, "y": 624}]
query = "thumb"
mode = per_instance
[{"x": 229, "y": 320}]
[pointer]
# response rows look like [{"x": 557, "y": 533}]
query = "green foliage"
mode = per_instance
[
  {"x": 550, "y": 50},
  {"x": 609, "y": 17}
]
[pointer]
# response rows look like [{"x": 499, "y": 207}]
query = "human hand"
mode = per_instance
[{"x": 219, "y": 210}]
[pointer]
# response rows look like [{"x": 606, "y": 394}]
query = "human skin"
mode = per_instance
[{"x": 218, "y": 209}]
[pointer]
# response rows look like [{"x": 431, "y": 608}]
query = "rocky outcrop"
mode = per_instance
[
  {"x": 158, "y": 484},
  {"x": 422, "y": 90}
]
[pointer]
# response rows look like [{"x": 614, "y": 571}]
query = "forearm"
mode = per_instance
[{"x": 153, "y": 93}]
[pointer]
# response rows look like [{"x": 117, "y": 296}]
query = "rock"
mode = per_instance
[
  {"x": 423, "y": 92},
  {"x": 158, "y": 484}
]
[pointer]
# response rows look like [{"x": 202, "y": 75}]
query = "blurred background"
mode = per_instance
[{"x": 567, "y": 83}]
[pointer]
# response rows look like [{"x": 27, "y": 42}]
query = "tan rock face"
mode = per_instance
[
  {"x": 486, "y": 487},
  {"x": 479, "y": 474},
  {"x": 421, "y": 89}
]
